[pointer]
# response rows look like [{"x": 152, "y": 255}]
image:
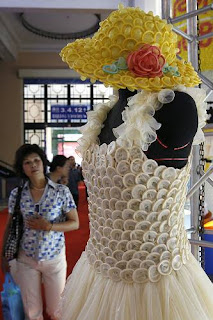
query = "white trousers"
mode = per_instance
[{"x": 29, "y": 275}]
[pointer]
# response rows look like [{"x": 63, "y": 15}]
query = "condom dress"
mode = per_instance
[{"x": 137, "y": 263}]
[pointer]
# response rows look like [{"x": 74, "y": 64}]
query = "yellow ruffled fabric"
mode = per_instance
[{"x": 123, "y": 32}]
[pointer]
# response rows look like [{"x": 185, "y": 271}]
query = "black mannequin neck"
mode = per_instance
[
  {"x": 114, "y": 117},
  {"x": 179, "y": 125},
  {"x": 179, "y": 122}
]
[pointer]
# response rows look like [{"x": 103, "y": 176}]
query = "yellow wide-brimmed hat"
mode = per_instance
[{"x": 132, "y": 49}]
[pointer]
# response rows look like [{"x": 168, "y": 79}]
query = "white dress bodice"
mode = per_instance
[{"x": 136, "y": 212}]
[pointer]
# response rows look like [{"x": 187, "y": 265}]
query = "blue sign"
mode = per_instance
[{"x": 68, "y": 112}]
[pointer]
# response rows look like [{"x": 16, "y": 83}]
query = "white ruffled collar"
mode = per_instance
[
  {"x": 95, "y": 120},
  {"x": 139, "y": 130}
]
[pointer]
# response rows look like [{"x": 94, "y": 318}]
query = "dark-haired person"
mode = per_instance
[
  {"x": 74, "y": 178},
  {"x": 59, "y": 167},
  {"x": 48, "y": 211}
]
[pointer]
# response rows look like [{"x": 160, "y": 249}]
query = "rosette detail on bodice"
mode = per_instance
[{"x": 136, "y": 212}]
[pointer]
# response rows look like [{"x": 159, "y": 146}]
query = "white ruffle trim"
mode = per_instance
[
  {"x": 199, "y": 96},
  {"x": 139, "y": 126},
  {"x": 92, "y": 128}
]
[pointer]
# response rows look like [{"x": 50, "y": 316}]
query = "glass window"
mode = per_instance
[
  {"x": 100, "y": 91},
  {"x": 35, "y": 136},
  {"x": 48, "y": 104},
  {"x": 33, "y": 91},
  {"x": 80, "y": 91},
  {"x": 57, "y": 91},
  {"x": 33, "y": 110}
]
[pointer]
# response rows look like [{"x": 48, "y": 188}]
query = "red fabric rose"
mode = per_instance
[{"x": 146, "y": 62}]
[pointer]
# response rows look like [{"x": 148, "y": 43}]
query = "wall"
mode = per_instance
[
  {"x": 11, "y": 93},
  {"x": 11, "y": 123}
]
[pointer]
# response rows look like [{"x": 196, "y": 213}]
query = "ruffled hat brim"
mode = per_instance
[{"x": 123, "y": 32}]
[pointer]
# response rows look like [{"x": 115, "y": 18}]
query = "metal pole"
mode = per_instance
[
  {"x": 191, "y": 5},
  {"x": 183, "y": 34},
  {"x": 209, "y": 180},
  {"x": 208, "y": 231},
  {"x": 191, "y": 230},
  {"x": 165, "y": 9},
  {"x": 208, "y": 92},
  {"x": 191, "y": 38},
  {"x": 194, "y": 201},
  {"x": 201, "y": 243},
  {"x": 199, "y": 182},
  {"x": 205, "y": 36},
  {"x": 206, "y": 81}
]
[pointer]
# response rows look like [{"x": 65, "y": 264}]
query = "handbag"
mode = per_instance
[
  {"x": 12, "y": 306},
  {"x": 15, "y": 231}
]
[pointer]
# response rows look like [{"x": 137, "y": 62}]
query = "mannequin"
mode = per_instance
[
  {"x": 114, "y": 117},
  {"x": 137, "y": 176},
  {"x": 179, "y": 122}
]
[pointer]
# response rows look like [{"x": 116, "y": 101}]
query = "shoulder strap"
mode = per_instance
[{"x": 18, "y": 198}]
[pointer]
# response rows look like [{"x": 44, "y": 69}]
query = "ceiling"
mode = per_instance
[{"x": 47, "y": 26}]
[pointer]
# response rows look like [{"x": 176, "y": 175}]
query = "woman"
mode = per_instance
[
  {"x": 48, "y": 211},
  {"x": 59, "y": 169}
]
